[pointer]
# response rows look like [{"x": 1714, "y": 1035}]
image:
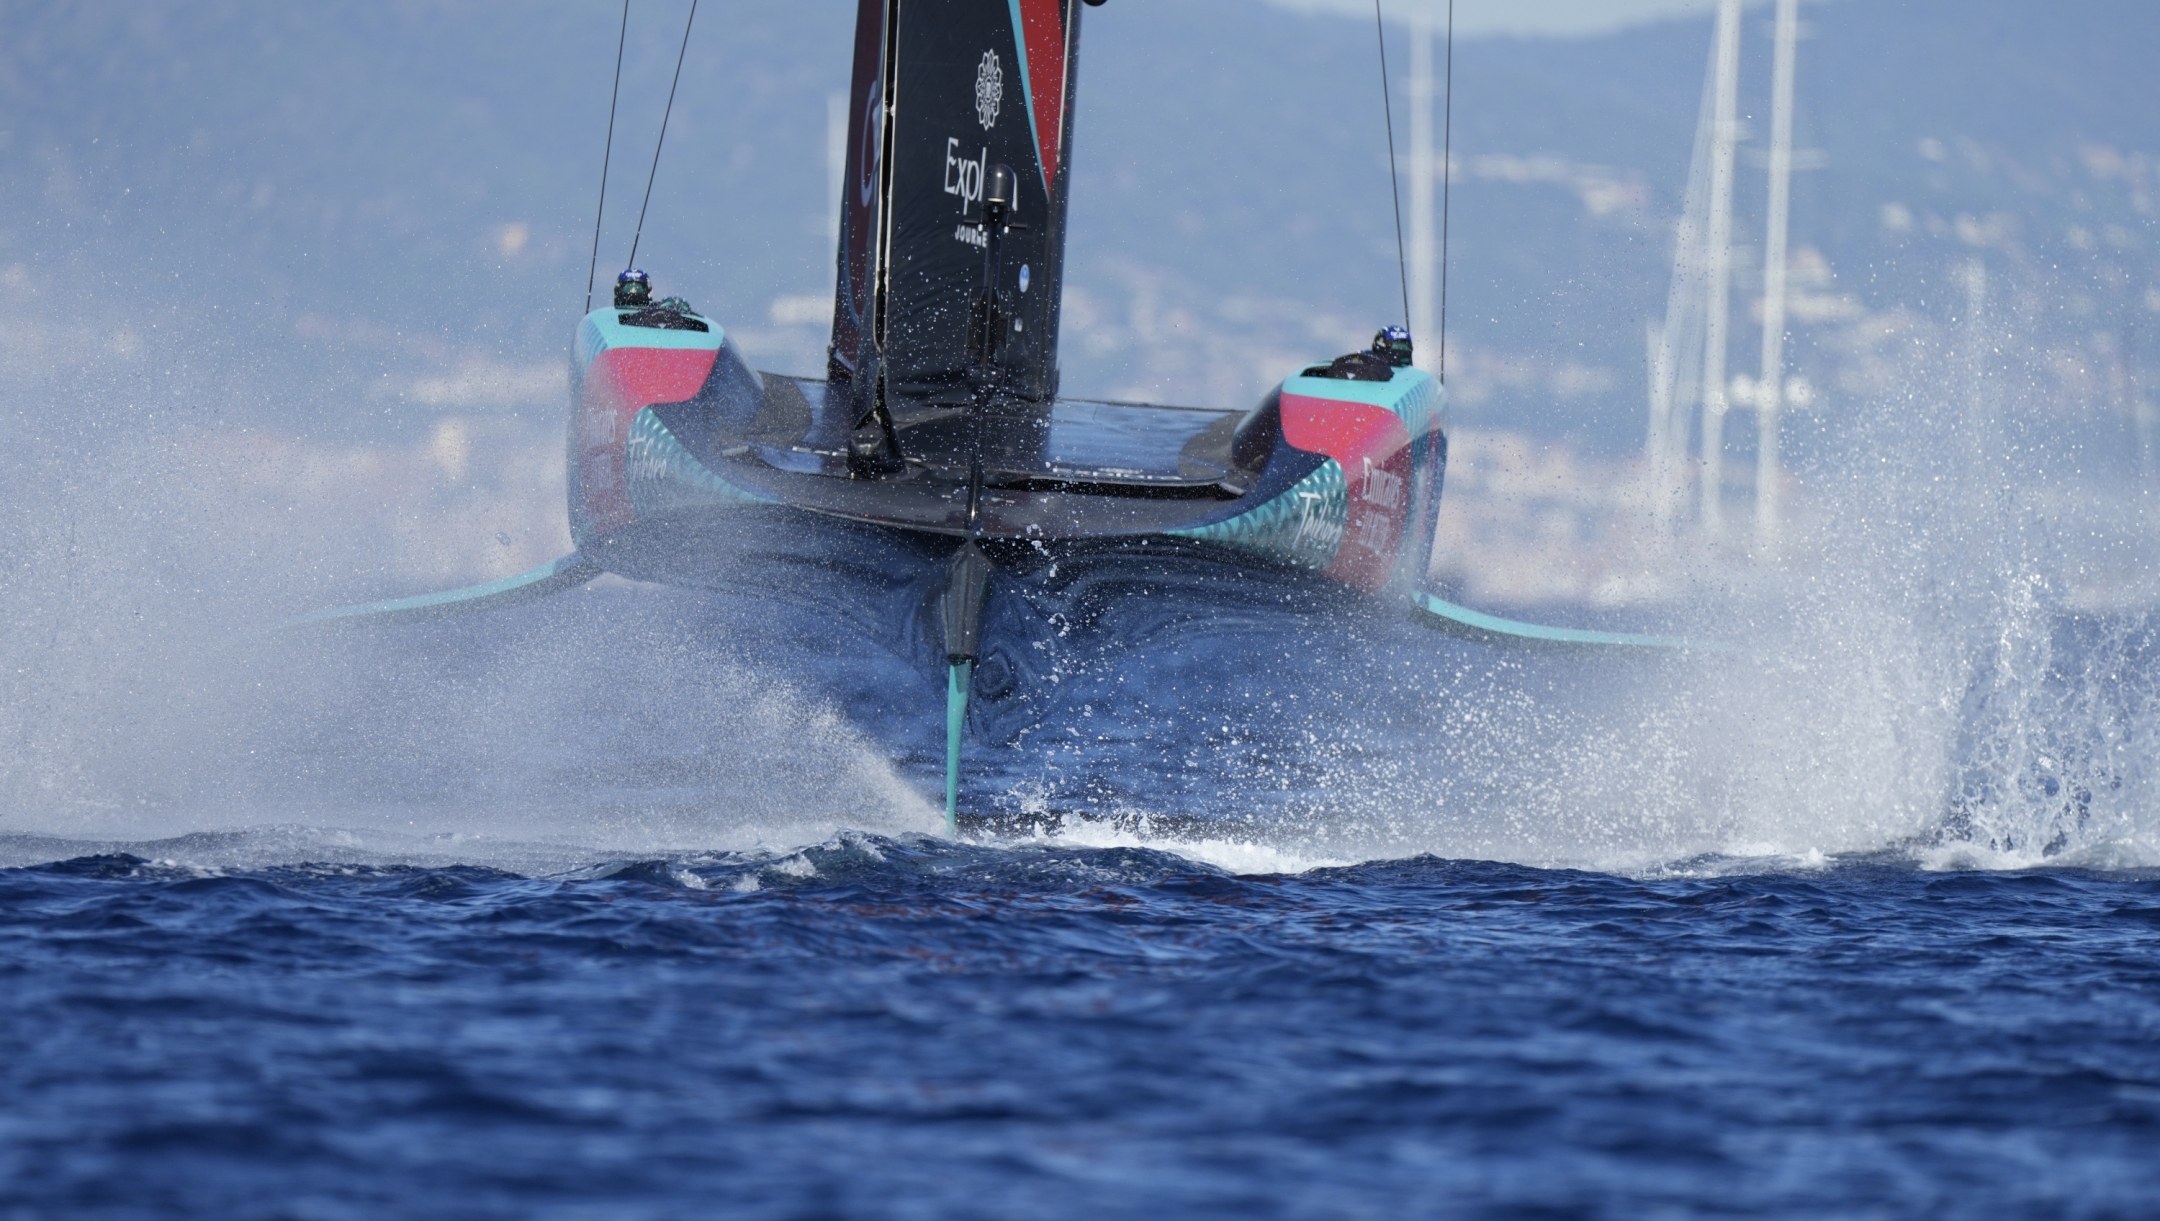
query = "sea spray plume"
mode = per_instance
[
  {"x": 622, "y": 720},
  {"x": 1848, "y": 742},
  {"x": 102, "y": 601},
  {"x": 619, "y": 719},
  {"x": 150, "y": 536},
  {"x": 151, "y": 542},
  {"x": 1919, "y": 679},
  {"x": 2058, "y": 710},
  {"x": 1937, "y": 687},
  {"x": 2056, "y": 744}
]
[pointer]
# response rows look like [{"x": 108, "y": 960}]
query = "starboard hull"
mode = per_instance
[{"x": 674, "y": 437}]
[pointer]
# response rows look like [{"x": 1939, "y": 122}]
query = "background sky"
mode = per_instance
[{"x": 1526, "y": 18}]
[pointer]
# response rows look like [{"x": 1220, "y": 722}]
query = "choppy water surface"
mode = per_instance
[
  {"x": 632, "y": 904},
  {"x": 907, "y": 1027}
]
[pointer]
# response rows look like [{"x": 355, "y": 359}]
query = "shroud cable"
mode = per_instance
[
  {"x": 1387, "y": 101},
  {"x": 607, "y": 154},
  {"x": 662, "y": 141},
  {"x": 1447, "y": 173}
]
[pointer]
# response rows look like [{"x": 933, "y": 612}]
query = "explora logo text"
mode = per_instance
[{"x": 963, "y": 177}]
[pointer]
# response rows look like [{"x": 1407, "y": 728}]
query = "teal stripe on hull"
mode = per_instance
[
  {"x": 1304, "y": 525},
  {"x": 566, "y": 573},
  {"x": 663, "y": 475},
  {"x": 1477, "y": 625}
]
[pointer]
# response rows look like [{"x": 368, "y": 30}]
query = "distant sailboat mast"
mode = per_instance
[
  {"x": 1770, "y": 391},
  {"x": 1694, "y": 335},
  {"x": 1675, "y": 346},
  {"x": 1724, "y": 136},
  {"x": 1424, "y": 320}
]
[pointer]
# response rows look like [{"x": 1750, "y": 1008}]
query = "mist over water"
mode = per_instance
[{"x": 1950, "y": 664}]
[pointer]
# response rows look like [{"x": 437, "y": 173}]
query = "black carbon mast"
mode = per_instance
[{"x": 944, "y": 90}]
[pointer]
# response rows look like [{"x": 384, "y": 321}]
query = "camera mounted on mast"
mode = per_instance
[{"x": 986, "y": 320}]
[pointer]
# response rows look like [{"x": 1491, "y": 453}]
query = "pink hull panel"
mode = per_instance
[
  {"x": 1372, "y": 445},
  {"x": 619, "y": 383}
]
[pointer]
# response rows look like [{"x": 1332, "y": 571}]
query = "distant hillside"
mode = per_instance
[{"x": 385, "y": 210}]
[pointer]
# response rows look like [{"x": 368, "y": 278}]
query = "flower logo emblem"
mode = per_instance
[{"x": 989, "y": 89}]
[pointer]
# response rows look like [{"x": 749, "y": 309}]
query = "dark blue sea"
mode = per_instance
[
  {"x": 635, "y": 905},
  {"x": 909, "y": 1028}
]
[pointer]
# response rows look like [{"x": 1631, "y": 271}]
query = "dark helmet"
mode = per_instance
[
  {"x": 632, "y": 288},
  {"x": 1393, "y": 342}
]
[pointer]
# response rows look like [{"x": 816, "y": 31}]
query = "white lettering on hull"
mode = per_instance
[
  {"x": 1372, "y": 533},
  {"x": 1317, "y": 532},
  {"x": 1382, "y": 487}
]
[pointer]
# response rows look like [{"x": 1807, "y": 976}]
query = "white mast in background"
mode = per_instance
[
  {"x": 1675, "y": 357},
  {"x": 1725, "y": 133},
  {"x": 1770, "y": 391},
  {"x": 1424, "y": 320}
]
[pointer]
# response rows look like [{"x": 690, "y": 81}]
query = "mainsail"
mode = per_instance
[{"x": 944, "y": 90}]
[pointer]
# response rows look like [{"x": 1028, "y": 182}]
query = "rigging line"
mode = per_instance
[
  {"x": 662, "y": 141},
  {"x": 1447, "y": 173},
  {"x": 1402, "y": 260},
  {"x": 607, "y": 154}
]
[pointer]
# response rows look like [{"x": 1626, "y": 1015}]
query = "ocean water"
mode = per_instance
[
  {"x": 908, "y": 1027},
  {"x": 633, "y": 903}
]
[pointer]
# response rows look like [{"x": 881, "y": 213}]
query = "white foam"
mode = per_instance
[{"x": 1239, "y": 856}]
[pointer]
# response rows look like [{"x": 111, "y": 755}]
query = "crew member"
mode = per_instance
[
  {"x": 1393, "y": 342},
  {"x": 633, "y": 290}
]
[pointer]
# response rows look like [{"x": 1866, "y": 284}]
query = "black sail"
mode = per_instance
[
  {"x": 943, "y": 90},
  {"x": 861, "y": 193}
]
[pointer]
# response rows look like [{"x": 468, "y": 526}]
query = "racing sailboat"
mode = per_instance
[
  {"x": 938, "y": 441},
  {"x": 940, "y": 414}
]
